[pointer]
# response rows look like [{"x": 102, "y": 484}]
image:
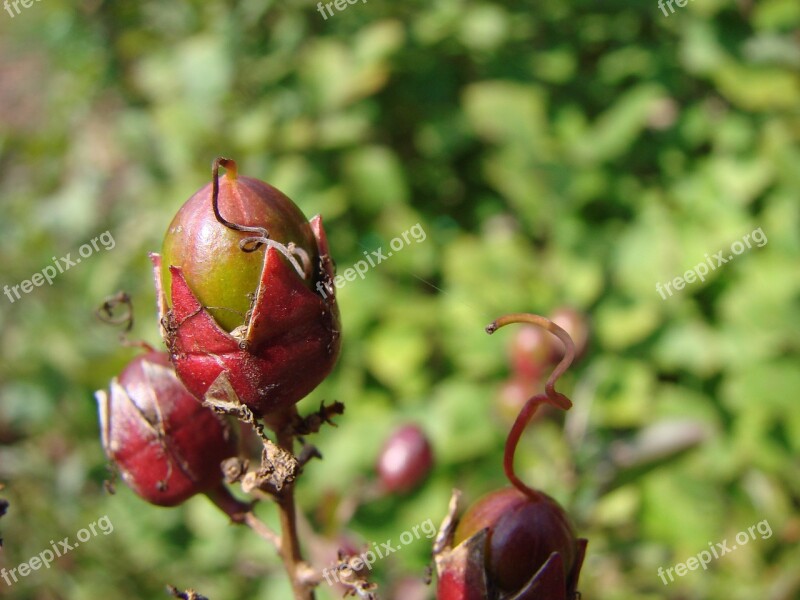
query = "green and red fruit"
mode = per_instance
[
  {"x": 224, "y": 278},
  {"x": 245, "y": 286}
]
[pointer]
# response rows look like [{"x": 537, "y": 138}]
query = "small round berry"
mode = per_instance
[{"x": 405, "y": 460}]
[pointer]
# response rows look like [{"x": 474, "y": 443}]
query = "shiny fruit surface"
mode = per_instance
[
  {"x": 405, "y": 460},
  {"x": 166, "y": 445},
  {"x": 523, "y": 533},
  {"x": 223, "y": 277}
]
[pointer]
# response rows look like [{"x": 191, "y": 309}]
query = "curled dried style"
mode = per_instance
[
  {"x": 247, "y": 244},
  {"x": 515, "y": 543},
  {"x": 261, "y": 237},
  {"x": 105, "y": 312},
  {"x": 550, "y": 396}
]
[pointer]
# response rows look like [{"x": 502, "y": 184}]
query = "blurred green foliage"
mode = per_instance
[{"x": 554, "y": 153}]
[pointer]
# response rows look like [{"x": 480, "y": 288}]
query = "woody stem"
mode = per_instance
[{"x": 290, "y": 544}]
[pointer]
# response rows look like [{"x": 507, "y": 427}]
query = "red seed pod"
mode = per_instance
[
  {"x": 167, "y": 446},
  {"x": 405, "y": 460},
  {"x": 511, "y": 545},
  {"x": 247, "y": 300},
  {"x": 523, "y": 533}
]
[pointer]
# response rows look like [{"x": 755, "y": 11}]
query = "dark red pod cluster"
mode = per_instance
[
  {"x": 167, "y": 446},
  {"x": 405, "y": 460},
  {"x": 246, "y": 295}
]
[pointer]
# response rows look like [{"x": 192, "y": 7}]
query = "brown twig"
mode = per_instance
[
  {"x": 262, "y": 530},
  {"x": 290, "y": 545},
  {"x": 275, "y": 477},
  {"x": 242, "y": 513}
]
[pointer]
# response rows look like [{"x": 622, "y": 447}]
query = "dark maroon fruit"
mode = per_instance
[
  {"x": 523, "y": 533},
  {"x": 166, "y": 445},
  {"x": 405, "y": 460}
]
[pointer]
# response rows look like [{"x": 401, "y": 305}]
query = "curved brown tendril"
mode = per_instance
[
  {"x": 248, "y": 244},
  {"x": 551, "y": 396},
  {"x": 555, "y": 398},
  {"x": 254, "y": 242},
  {"x": 105, "y": 312}
]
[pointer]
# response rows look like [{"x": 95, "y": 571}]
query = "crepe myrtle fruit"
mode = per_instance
[
  {"x": 405, "y": 460},
  {"x": 524, "y": 531},
  {"x": 167, "y": 446},
  {"x": 515, "y": 543},
  {"x": 246, "y": 297}
]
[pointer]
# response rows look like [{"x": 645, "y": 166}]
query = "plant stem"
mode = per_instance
[
  {"x": 242, "y": 513},
  {"x": 262, "y": 530},
  {"x": 290, "y": 545}
]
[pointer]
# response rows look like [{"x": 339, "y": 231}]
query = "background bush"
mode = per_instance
[{"x": 554, "y": 153}]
